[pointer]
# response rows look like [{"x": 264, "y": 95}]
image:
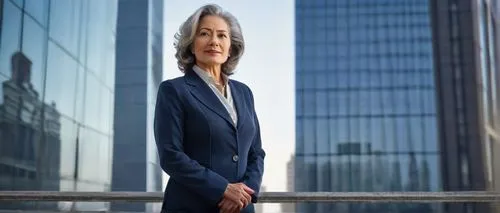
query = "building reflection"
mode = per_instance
[
  {"x": 373, "y": 173},
  {"x": 57, "y": 98},
  {"x": 29, "y": 135}
]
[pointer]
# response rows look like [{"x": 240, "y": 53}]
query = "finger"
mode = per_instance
[
  {"x": 248, "y": 198},
  {"x": 229, "y": 207},
  {"x": 236, "y": 207},
  {"x": 243, "y": 200},
  {"x": 248, "y": 189},
  {"x": 236, "y": 211},
  {"x": 222, "y": 203},
  {"x": 226, "y": 208}
]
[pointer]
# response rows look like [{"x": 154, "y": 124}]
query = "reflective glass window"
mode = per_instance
[
  {"x": 94, "y": 163},
  {"x": 61, "y": 80},
  {"x": 34, "y": 39},
  {"x": 80, "y": 95},
  {"x": 98, "y": 37},
  {"x": 65, "y": 21},
  {"x": 104, "y": 114},
  {"x": 69, "y": 149},
  {"x": 38, "y": 9},
  {"x": 92, "y": 101},
  {"x": 18, "y": 3},
  {"x": 11, "y": 37}
]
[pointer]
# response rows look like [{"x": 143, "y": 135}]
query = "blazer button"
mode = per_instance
[{"x": 235, "y": 158}]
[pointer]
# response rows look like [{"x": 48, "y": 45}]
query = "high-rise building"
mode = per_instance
[
  {"x": 466, "y": 70},
  {"x": 139, "y": 55},
  {"x": 290, "y": 185},
  {"x": 487, "y": 43},
  {"x": 395, "y": 96},
  {"x": 56, "y": 99}
]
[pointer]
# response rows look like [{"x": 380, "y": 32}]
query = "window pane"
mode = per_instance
[
  {"x": 98, "y": 37},
  {"x": 80, "y": 95},
  {"x": 430, "y": 134},
  {"x": 10, "y": 37},
  {"x": 309, "y": 137},
  {"x": 64, "y": 23},
  {"x": 95, "y": 159},
  {"x": 322, "y": 141},
  {"x": 321, "y": 103},
  {"x": 92, "y": 101},
  {"x": 105, "y": 124},
  {"x": 37, "y": 9},
  {"x": 68, "y": 147},
  {"x": 33, "y": 47},
  {"x": 19, "y": 3},
  {"x": 310, "y": 103},
  {"x": 61, "y": 80}
]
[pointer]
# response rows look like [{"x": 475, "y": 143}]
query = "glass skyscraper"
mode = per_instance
[
  {"x": 139, "y": 72},
  {"x": 488, "y": 20},
  {"x": 57, "y": 97},
  {"x": 375, "y": 104}
]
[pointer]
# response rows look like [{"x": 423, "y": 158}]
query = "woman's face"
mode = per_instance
[{"x": 212, "y": 42}]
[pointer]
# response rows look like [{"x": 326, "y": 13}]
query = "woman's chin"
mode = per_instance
[{"x": 212, "y": 63}]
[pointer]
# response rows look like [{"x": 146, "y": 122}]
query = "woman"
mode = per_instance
[{"x": 206, "y": 128}]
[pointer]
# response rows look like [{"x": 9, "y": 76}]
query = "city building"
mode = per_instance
[
  {"x": 57, "y": 97},
  {"x": 487, "y": 43},
  {"x": 396, "y": 96},
  {"x": 290, "y": 185},
  {"x": 139, "y": 55},
  {"x": 466, "y": 69}
]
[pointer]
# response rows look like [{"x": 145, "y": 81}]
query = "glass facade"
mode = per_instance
[
  {"x": 489, "y": 51},
  {"x": 366, "y": 115},
  {"x": 57, "y": 97}
]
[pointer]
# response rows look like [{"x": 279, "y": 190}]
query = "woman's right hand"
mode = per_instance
[{"x": 238, "y": 194}]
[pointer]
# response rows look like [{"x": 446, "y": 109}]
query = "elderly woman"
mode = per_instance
[{"x": 206, "y": 128}]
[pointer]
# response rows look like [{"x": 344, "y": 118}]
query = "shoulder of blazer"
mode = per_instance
[
  {"x": 242, "y": 87},
  {"x": 175, "y": 83},
  {"x": 172, "y": 87}
]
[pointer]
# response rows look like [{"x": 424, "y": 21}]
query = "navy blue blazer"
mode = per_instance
[{"x": 200, "y": 148}]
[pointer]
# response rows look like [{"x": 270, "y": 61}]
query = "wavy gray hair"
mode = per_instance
[{"x": 187, "y": 31}]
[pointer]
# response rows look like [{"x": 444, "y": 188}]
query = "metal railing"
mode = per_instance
[{"x": 264, "y": 197}]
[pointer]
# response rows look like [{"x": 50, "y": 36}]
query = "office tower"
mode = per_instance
[
  {"x": 290, "y": 185},
  {"x": 139, "y": 55},
  {"x": 466, "y": 69},
  {"x": 56, "y": 98},
  {"x": 396, "y": 96}
]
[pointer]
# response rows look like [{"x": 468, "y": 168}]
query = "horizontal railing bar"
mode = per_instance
[{"x": 264, "y": 197}]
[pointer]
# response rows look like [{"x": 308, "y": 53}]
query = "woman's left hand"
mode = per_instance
[{"x": 228, "y": 206}]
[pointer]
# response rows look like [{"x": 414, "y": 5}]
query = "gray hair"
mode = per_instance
[{"x": 185, "y": 37}]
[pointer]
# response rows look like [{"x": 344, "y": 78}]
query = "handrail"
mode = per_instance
[{"x": 264, "y": 197}]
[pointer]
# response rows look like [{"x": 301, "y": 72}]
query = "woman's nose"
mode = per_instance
[{"x": 214, "y": 41}]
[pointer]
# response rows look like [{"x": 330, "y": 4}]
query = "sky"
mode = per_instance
[{"x": 267, "y": 67}]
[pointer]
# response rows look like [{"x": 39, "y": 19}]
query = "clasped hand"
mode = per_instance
[{"x": 236, "y": 197}]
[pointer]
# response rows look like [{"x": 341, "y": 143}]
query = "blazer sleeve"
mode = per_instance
[
  {"x": 256, "y": 155},
  {"x": 168, "y": 130}
]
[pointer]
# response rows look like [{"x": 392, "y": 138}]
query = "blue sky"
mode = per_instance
[{"x": 267, "y": 67}]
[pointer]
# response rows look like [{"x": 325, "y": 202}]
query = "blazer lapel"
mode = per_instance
[
  {"x": 239, "y": 103},
  {"x": 206, "y": 96}
]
